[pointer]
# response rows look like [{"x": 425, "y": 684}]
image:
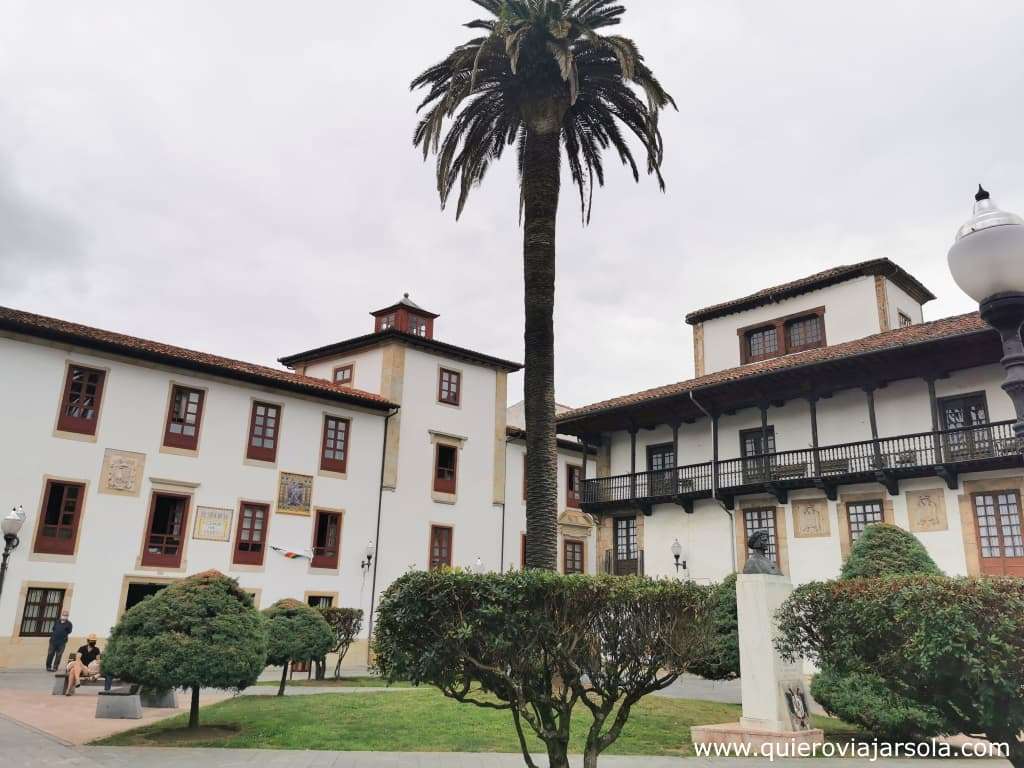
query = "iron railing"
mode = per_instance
[{"x": 913, "y": 454}]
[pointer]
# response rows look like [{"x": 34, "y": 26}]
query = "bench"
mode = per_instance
[
  {"x": 60, "y": 680},
  {"x": 119, "y": 704}
]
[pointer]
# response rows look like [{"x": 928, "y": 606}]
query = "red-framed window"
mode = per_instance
[
  {"x": 446, "y": 461},
  {"x": 326, "y": 539},
  {"x": 334, "y": 447},
  {"x": 344, "y": 374},
  {"x": 440, "y": 547},
  {"x": 184, "y": 417},
  {"x": 62, "y": 511},
  {"x": 449, "y": 386},
  {"x": 572, "y": 556},
  {"x": 573, "y": 485},
  {"x": 804, "y": 333},
  {"x": 251, "y": 533},
  {"x": 41, "y": 611},
  {"x": 80, "y": 404},
  {"x": 384, "y": 322},
  {"x": 264, "y": 432},
  {"x": 998, "y": 521},
  {"x": 166, "y": 530}
]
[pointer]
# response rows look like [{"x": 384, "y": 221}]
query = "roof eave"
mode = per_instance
[{"x": 149, "y": 355}]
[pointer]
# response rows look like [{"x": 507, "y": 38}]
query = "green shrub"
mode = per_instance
[
  {"x": 295, "y": 632},
  {"x": 955, "y": 645},
  {"x": 199, "y": 632},
  {"x": 345, "y": 624},
  {"x": 722, "y": 661},
  {"x": 887, "y": 550},
  {"x": 863, "y": 698},
  {"x": 540, "y": 643}
]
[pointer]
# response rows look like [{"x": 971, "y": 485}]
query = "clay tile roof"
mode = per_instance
[
  {"x": 408, "y": 303},
  {"x": 839, "y": 274},
  {"x": 960, "y": 325},
  {"x": 130, "y": 346}
]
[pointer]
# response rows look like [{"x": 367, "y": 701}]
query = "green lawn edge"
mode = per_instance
[{"x": 422, "y": 720}]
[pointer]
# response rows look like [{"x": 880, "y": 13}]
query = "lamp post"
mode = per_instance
[
  {"x": 10, "y": 526},
  {"x": 368, "y": 556},
  {"x": 677, "y": 552},
  {"x": 987, "y": 262}
]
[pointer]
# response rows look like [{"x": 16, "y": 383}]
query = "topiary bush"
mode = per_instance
[
  {"x": 887, "y": 550},
  {"x": 201, "y": 632},
  {"x": 953, "y": 645},
  {"x": 861, "y": 697},
  {"x": 722, "y": 661},
  {"x": 864, "y": 699},
  {"x": 538, "y": 644},
  {"x": 295, "y": 632}
]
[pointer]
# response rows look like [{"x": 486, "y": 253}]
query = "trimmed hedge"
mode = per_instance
[
  {"x": 955, "y": 645},
  {"x": 887, "y": 550},
  {"x": 723, "y": 659},
  {"x": 295, "y": 632}
]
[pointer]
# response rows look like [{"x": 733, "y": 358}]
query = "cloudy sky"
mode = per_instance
[{"x": 238, "y": 177}]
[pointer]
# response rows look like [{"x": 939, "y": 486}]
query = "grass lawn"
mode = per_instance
[
  {"x": 346, "y": 682},
  {"x": 416, "y": 721}
]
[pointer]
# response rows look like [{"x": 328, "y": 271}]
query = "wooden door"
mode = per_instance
[
  {"x": 626, "y": 554},
  {"x": 997, "y": 519},
  {"x": 962, "y": 416}
]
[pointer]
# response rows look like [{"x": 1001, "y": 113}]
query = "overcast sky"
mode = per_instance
[{"x": 238, "y": 177}]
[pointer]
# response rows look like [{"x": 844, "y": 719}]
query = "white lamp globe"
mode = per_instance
[
  {"x": 11, "y": 524},
  {"x": 988, "y": 255}
]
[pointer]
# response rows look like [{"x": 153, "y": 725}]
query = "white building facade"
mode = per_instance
[
  {"x": 139, "y": 463},
  {"x": 820, "y": 406}
]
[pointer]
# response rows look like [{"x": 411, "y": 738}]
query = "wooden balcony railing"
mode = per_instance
[
  {"x": 912, "y": 455},
  {"x": 623, "y": 563}
]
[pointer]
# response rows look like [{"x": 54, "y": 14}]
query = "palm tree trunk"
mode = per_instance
[{"x": 542, "y": 155}]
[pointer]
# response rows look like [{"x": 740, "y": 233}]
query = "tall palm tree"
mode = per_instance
[{"x": 540, "y": 78}]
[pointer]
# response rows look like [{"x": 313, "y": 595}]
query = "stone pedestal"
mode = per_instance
[{"x": 775, "y": 702}]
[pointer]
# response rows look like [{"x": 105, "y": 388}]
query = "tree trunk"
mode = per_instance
[
  {"x": 284, "y": 679},
  {"x": 193, "y": 712},
  {"x": 558, "y": 753},
  {"x": 541, "y": 163}
]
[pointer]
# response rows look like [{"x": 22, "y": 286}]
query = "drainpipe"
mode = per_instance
[
  {"x": 376, "y": 559},
  {"x": 714, "y": 478}
]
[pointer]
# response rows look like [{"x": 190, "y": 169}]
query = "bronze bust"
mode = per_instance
[{"x": 758, "y": 562}]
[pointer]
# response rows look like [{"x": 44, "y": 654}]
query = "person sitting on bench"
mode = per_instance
[{"x": 85, "y": 664}]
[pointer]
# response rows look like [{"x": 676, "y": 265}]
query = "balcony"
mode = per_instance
[
  {"x": 887, "y": 460},
  {"x": 616, "y": 563}
]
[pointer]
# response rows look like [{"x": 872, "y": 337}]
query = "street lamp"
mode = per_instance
[
  {"x": 987, "y": 262},
  {"x": 677, "y": 552},
  {"x": 10, "y": 526},
  {"x": 368, "y": 556}
]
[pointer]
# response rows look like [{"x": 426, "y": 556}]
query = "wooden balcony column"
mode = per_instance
[
  {"x": 812, "y": 402},
  {"x": 633, "y": 429},
  {"x": 933, "y": 407},
  {"x": 870, "y": 392}
]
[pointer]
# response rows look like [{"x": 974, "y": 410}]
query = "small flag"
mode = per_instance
[{"x": 289, "y": 554}]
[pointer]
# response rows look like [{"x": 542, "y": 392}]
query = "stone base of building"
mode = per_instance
[{"x": 758, "y": 738}]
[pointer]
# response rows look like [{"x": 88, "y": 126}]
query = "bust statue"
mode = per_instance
[{"x": 758, "y": 562}]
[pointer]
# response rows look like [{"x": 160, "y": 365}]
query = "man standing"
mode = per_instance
[{"x": 58, "y": 639}]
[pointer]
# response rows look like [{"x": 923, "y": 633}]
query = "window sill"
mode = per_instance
[
  {"x": 161, "y": 568},
  {"x": 81, "y": 437},
  {"x": 193, "y": 452},
  {"x": 53, "y": 557},
  {"x": 332, "y": 473},
  {"x": 321, "y": 571},
  {"x": 259, "y": 463},
  {"x": 444, "y": 498},
  {"x": 246, "y": 568}
]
